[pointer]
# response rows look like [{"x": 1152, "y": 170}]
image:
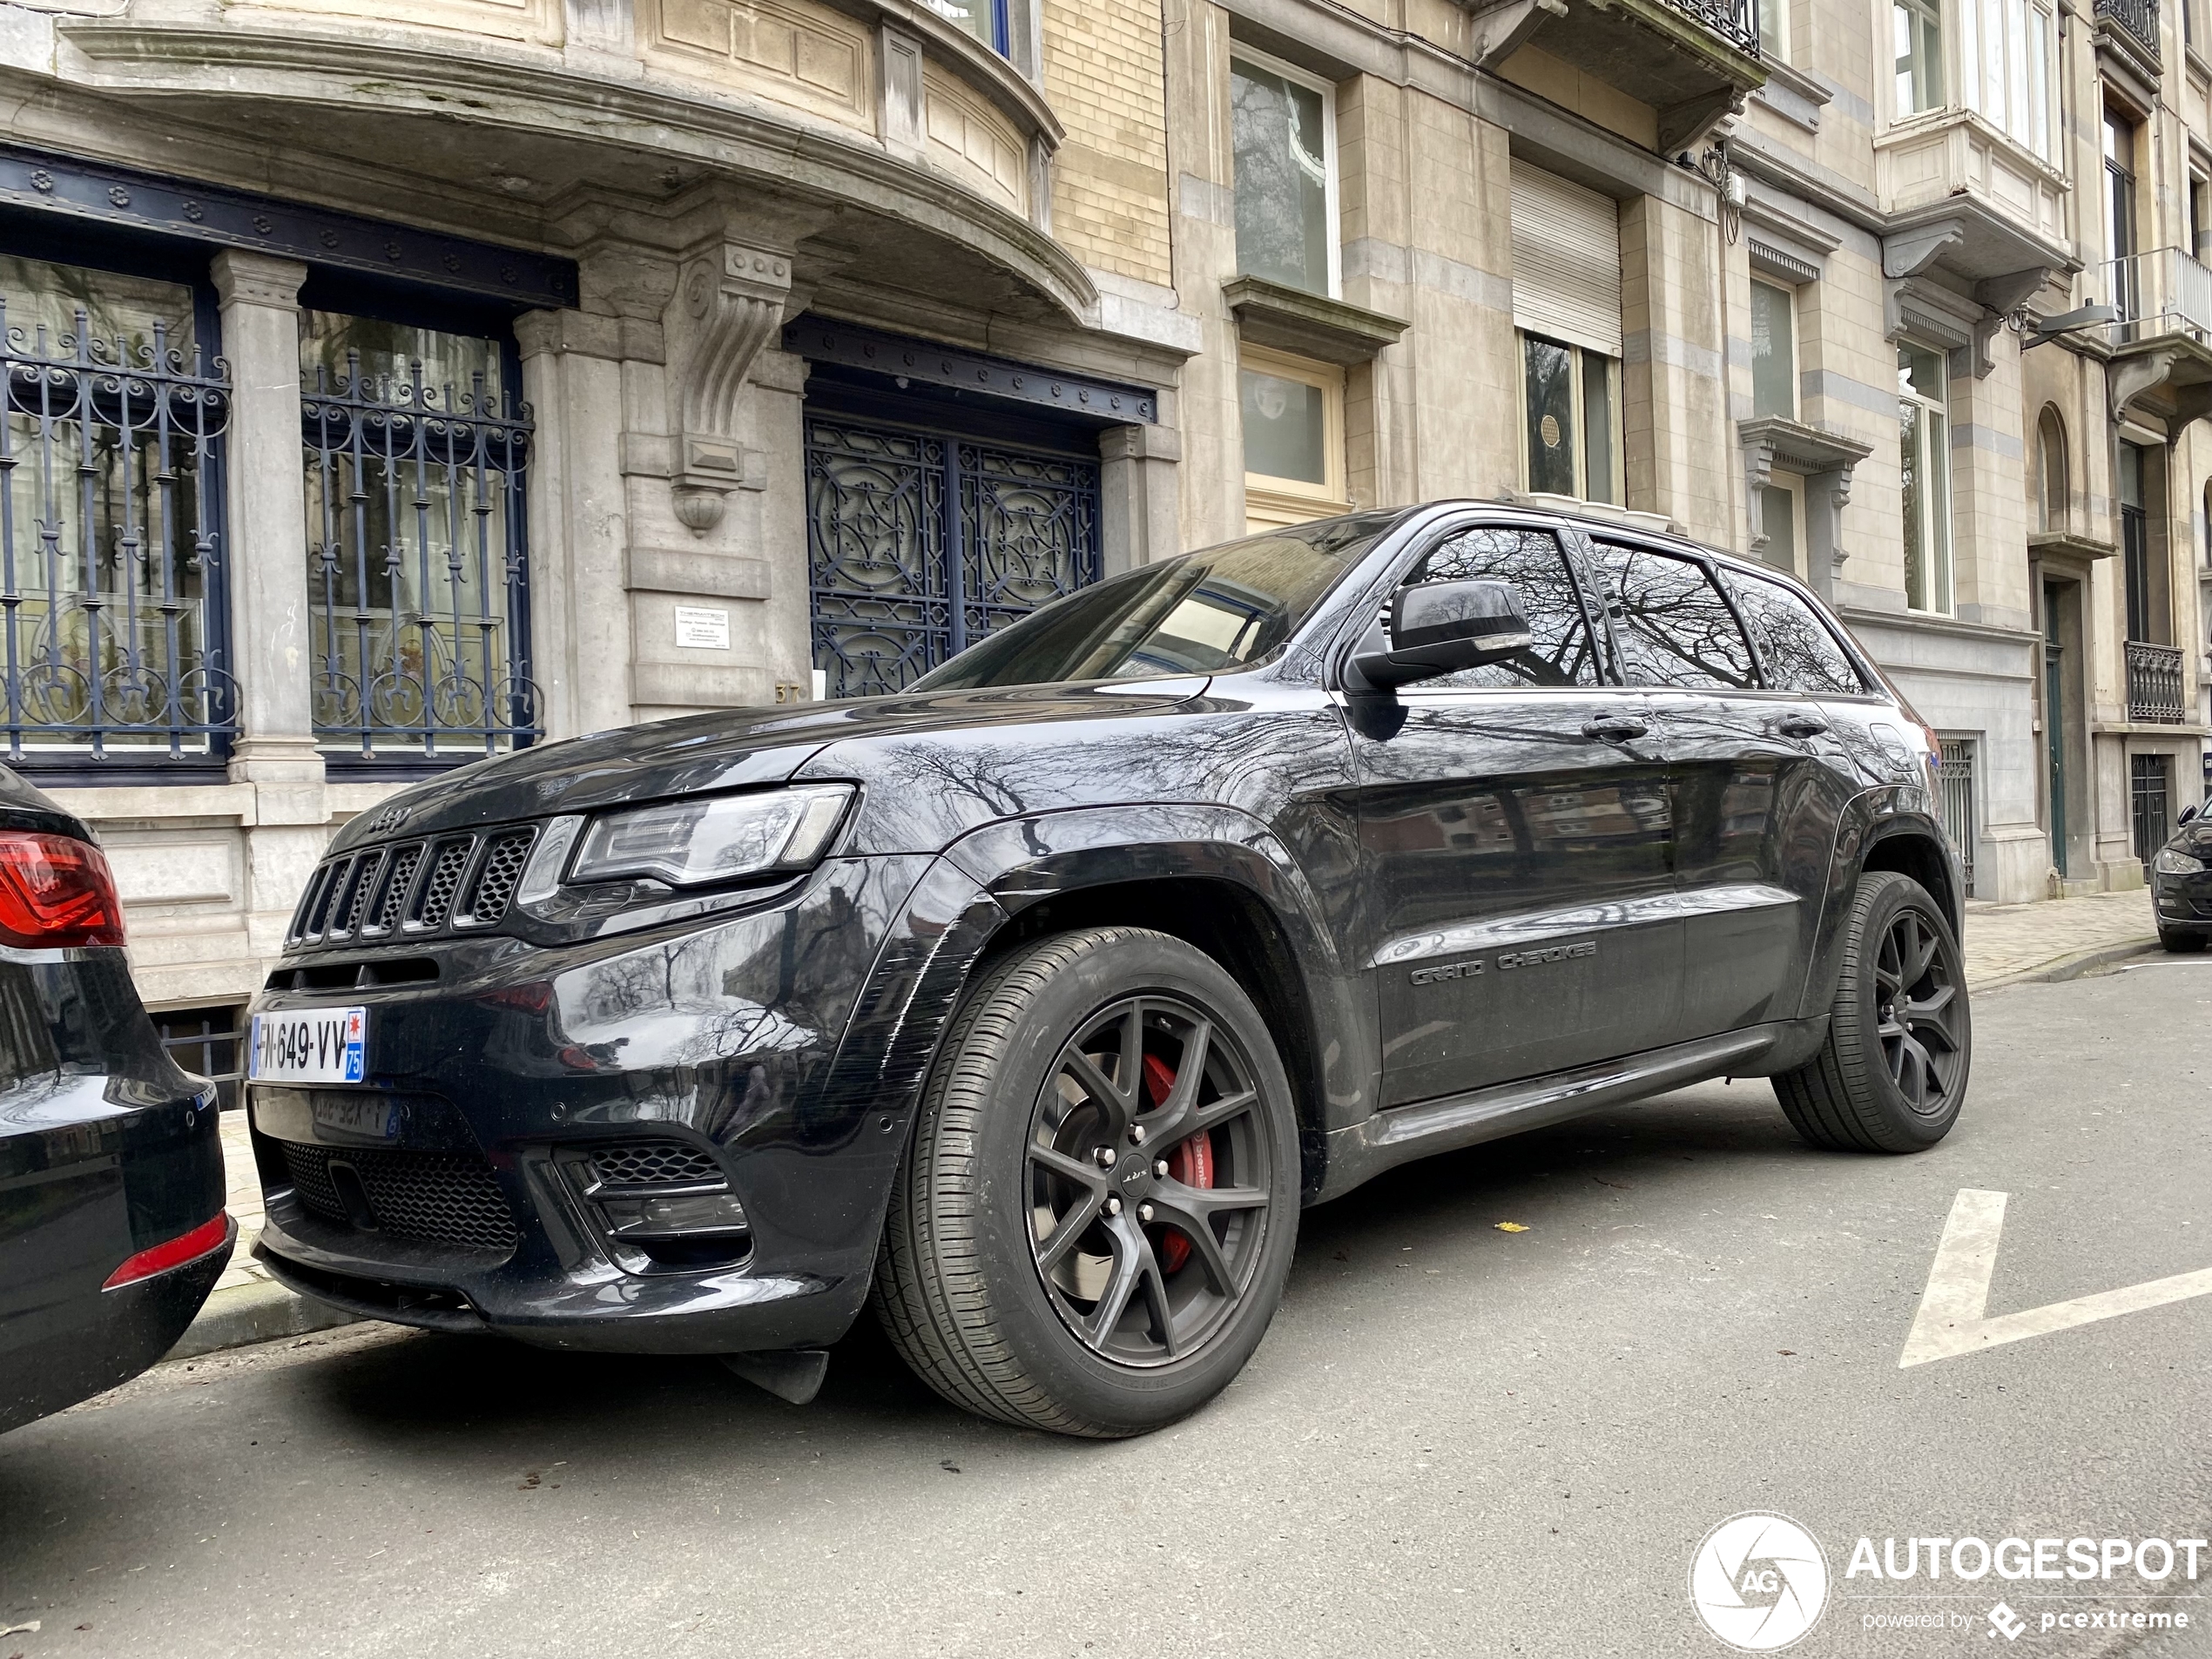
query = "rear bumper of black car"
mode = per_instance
[
  {"x": 533, "y": 1104},
  {"x": 87, "y": 1345}
]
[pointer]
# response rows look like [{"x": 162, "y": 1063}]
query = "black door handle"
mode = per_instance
[
  {"x": 1801, "y": 725},
  {"x": 1613, "y": 728}
]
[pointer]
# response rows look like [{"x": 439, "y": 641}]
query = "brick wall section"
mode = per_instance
[{"x": 1103, "y": 77}]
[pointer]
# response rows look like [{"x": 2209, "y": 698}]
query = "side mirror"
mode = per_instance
[
  {"x": 1435, "y": 628},
  {"x": 2188, "y": 812}
]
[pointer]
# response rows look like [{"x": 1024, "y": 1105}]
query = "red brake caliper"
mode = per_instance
[{"x": 1190, "y": 1162}]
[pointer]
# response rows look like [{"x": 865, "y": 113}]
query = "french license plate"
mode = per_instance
[
  {"x": 312, "y": 1046},
  {"x": 363, "y": 1116}
]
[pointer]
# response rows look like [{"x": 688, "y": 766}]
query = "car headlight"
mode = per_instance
[
  {"x": 2173, "y": 861},
  {"x": 720, "y": 837}
]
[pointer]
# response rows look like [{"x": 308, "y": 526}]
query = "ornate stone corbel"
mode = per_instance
[
  {"x": 1504, "y": 30},
  {"x": 731, "y": 300},
  {"x": 2128, "y": 378}
]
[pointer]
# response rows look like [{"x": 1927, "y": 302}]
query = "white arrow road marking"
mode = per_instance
[{"x": 1952, "y": 1320}]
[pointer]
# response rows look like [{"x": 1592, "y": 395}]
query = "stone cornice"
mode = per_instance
[{"x": 371, "y": 69}]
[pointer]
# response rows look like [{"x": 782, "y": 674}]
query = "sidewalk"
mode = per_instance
[
  {"x": 2012, "y": 942},
  {"x": 2004, "y": 943}
]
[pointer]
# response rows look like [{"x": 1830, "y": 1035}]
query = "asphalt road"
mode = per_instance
[{"x": 1456, "y": 1440}]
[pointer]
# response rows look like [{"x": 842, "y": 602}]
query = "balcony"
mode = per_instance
[
  {"x": 1691, "y": 61},
  {"x": 2132, "y": 26},
  {"x": 2162, "y": 341},
  {"x": 2154, "y": 684}
]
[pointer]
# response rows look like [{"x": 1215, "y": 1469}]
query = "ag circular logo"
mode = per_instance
[{"x": 1758, "y": 1582}]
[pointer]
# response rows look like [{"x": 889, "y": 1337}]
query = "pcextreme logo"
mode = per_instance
[{"x": 1759, "y": 1582}]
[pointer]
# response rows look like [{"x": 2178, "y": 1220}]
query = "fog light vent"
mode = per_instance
[{"x": 675, "y": 1215}]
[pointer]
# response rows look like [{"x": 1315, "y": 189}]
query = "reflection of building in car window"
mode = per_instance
[{"x": 1212, "y": 628}]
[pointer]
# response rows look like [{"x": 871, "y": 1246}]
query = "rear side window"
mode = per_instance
[
  {"x": 1530, "y": 560},
  {"x": 1797, "y": 650},
  {"x": 1673, "y": 626}
]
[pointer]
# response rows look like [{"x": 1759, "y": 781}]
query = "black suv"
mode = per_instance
[{"x": 1038, "y": 999}]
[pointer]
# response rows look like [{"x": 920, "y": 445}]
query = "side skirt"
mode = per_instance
[{"x": 1404, "y": 1133}]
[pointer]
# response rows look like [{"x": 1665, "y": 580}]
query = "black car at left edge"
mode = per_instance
[{"x": 112, "y": 1230}]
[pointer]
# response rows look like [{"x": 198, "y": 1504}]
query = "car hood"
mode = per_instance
[{"x": 731, "y": 749}]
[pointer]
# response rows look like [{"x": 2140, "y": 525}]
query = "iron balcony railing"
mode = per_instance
[
  {"x": 110, "y": 579},
  {"x": 2154, "y": 684},
  {"x": 2138, "y": 18},
  {"x": 1734, "y": 21},
  {"x": 2163, "y": 292}
]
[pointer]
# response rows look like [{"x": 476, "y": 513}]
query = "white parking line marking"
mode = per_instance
[{"x": 1953, "y": 1319}]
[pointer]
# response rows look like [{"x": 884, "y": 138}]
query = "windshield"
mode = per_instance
[{"x": 1214, "y": 611}]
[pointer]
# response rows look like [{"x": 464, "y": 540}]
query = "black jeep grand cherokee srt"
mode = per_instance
[{"x": 1039, "y": 999}]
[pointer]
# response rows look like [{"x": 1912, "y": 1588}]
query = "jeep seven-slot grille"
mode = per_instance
[
  {"x": 441, "y": 1197},
  {"x": 411, "y": 890}
]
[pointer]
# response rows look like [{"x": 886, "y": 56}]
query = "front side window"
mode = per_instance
[
  {"x": 1916, "y": 37},
  {"x": 1218, "y": 610},
  {"x": 111, "y": 558},
  {"x": 1531, "y": 562},
  {"x": 1923, "y": 463},
  {"x": 1796, "y": 648},
  {"x": 1671, "y": 625},
  {"x": 1283, "y": 126},
  {"x": 416, "y": 445},
  {"x": 1774, "y": 350},
  {"x": 1292, "y": 412},
  {"x": 1570, "y": 420}
]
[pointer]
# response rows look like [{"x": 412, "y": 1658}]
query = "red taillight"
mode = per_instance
[
  {"x": 55, "y": 891},
  {"x": 161, "y": 1258}
]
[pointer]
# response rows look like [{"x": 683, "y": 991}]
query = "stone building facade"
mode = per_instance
[{"x": 395, "y": 382}]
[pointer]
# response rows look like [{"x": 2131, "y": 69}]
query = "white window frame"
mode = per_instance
[
  {"x": 2020, "y": 33},
  {"x": 1270, "y": 503},
  {"x": 1944, "y": 53},
  {"x": 1778, "y": 48},
  {"x": 1789, "y": 292},
  {"x": 1932, "y": 457},
  {"x": 1580, "y": 446},
  {"x": 1240, "y": 53}
]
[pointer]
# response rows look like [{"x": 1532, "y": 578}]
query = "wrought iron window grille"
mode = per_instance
[
  {"x": 417, "y": 568},
  {"x": 112, "y": 591}
]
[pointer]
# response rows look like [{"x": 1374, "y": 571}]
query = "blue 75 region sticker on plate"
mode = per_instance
[{"x": 312, "y": 1046}]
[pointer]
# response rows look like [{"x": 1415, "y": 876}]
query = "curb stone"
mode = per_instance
[
  {"x": 248, "y": 1313},
  {"x": 2073, "y": 967}
]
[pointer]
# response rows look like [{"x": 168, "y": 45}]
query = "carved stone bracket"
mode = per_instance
[
  {"x": 730, "y": 301},
  {"x": 1825, "y": 460},
  {"x": 1504, "y": 30},
  {"x": 2128, "y": 378}
]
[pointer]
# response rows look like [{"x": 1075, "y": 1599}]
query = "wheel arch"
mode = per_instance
[
  {"x": 1889, "y": 828},
  {"x": 1228, "y": 922}
]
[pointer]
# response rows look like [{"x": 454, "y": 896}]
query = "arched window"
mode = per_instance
[{"x": 2051, "y": 492}]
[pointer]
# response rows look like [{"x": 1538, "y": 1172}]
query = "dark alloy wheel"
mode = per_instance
[
  {"x": 1892, "y": 1074},
  {"x": 1918, "y": 1003},
  {"x": 1093, "y": 1223},
  {"x": 1151, "y": 1177}
]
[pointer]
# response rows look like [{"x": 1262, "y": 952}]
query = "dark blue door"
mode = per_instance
[{"x": 920, "y": 542}]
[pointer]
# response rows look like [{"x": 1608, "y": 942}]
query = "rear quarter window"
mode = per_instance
[{"x": 1799, "y": 651}]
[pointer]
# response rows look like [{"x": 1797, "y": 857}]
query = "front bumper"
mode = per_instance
[
  {"x": 749, "y": 1052},
  {"x": 2183, "y": 903}
]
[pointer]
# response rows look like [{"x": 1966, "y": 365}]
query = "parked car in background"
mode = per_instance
[
  {"x": 1039, "y": 999},
  {"x": 2180, "y": 884},
  {"x": 112, "y": 1230}
]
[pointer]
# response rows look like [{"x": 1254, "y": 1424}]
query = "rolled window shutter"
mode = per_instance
[{"x": 1566, "y": 260}]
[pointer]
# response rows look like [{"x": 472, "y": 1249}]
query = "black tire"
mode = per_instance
[
  {"x": 2180, "y": 944},
  {"x": 1005, "y": 1155},
  {"x": 1886, "y": 1079}
]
